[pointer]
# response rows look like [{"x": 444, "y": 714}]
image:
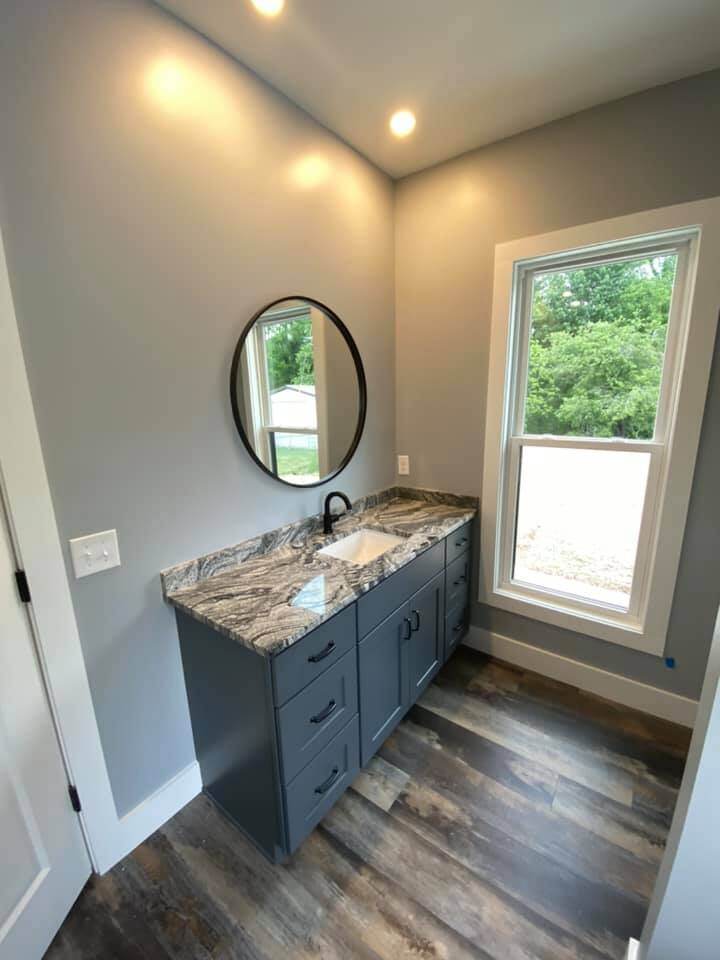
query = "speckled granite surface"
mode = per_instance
[{"x": 268, "y": 592}]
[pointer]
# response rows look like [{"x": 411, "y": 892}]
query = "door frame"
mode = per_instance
[{"x": 36, "y": 542}]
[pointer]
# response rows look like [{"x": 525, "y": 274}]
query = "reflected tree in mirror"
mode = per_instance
[{"x": 298, "y": 392}]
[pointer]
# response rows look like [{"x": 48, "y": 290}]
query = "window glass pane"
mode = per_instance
[
  {"x": 291, "y": 372},
  {"x": 597, "y": 342},
  {"x": 578, "y": 521},
  {"x": 297, "y": 457}
]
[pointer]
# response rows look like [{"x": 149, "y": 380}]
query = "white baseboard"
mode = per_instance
[
  {"x": 151, "y": 813},
  {"x": 633, "y": 950},
  {"x": 611, "y": 686}
]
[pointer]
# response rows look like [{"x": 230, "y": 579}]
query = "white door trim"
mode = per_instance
[{"x": 37, "y": 544}]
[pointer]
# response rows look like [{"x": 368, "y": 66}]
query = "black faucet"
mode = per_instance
[{"x": 330, "y": 518}]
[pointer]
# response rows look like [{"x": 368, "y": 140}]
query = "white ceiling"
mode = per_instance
[{"x": 474, "y": 71}]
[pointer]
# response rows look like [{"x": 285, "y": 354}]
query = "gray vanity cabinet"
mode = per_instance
[{"x": 279, "y": 738}]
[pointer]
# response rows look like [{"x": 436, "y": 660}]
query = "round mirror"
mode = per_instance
[{"x": 298, "y": 393}]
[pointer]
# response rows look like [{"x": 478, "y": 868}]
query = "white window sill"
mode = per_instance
[{"x": 601, "y": 623}]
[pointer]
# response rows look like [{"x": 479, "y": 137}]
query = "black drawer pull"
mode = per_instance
[
  {"x": 416, "y": 614},
  {"x": 406, "y": 620},
  {"x": 459, "y": 581},
  {"x": 458, "y": 627},
  {"x": 324, "y": 787},
  {"x": 317, "y": 657},
  {"x": 324, "y": 714},
  {"x": 459, "y": 543}
]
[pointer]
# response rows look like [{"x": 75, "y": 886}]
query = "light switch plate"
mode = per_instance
[
  {"x": 96, "y": 552},
  {"x": 403, "y": 465}
]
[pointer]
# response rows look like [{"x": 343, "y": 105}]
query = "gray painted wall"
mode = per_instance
[
  {"x": 153, "y": 195},
  {"x": 649, "y": 150}
]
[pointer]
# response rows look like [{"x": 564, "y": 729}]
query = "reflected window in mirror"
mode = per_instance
[{"x": 298, "y": 391}]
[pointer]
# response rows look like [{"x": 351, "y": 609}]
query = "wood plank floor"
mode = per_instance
[{"x": 508, "y": 817}]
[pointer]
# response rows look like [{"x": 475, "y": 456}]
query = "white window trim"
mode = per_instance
[{"x": 699, "y": 223}]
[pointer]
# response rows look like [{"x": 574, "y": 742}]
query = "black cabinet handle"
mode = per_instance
[
  {"x": 324, "y": 714},
  {"x": 416, "y": 614},
  {"x": 409, "y": 628},
  {"x": 317, "y": 657},
  {"x": 324, "y": 787},
  {"x": 459, "y": 581},
  {"x": 458, "y": 627},
  {"x": 461, "y": 541}
]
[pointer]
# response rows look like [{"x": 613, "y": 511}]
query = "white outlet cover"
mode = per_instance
[
  {"x": 403, "y": 461},
  {"x": 96, "y": 552}
]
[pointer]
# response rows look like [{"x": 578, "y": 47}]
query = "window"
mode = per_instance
[
  {"x": 598, "y": 374},
  {"x": 281, "y": 371}
]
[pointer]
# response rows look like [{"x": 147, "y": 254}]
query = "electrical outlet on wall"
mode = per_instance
[
  {"x": 403, "y": 465},
  {"x": 96, "y": 552}
]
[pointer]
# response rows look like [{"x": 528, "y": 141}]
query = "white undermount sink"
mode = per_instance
[{"x": 362, "y": 546}]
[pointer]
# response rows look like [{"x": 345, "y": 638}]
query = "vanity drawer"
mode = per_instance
[
  {"x": 312, "y": 718},
  {"x": 456, "y": 627},
  {"x": 305, "y": 660},
  {"x": 316, "y": 788},
  {"x": 458, "y": 542},
  {"x": 457, "y": 582},
  {"x": 373, "y": 607}
]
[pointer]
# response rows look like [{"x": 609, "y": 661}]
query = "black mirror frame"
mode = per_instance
[{"x": 362, "y": 387}]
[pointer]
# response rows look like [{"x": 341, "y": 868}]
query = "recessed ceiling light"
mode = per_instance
[
  {"x": 402, "y": 123},
  {"x": 269, "y": 8}
]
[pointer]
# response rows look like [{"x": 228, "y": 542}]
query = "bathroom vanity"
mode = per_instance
[{"x": 299, "y": 661}]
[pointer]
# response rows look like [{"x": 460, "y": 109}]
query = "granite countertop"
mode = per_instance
[{"x": 269, "y": 592}]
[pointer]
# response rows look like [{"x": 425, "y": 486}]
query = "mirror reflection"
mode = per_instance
[{"x": 298, "y": 391}]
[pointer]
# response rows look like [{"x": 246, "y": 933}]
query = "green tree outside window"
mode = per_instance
[{"x": 597, "y": 344}]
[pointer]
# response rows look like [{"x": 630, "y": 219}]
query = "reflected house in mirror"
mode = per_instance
[{"x": 298, "y": 392}]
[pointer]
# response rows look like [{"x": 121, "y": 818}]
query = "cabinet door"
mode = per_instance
[
  {"x": 384, "y": 680},
  {"x": 426, "y": 639}
]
